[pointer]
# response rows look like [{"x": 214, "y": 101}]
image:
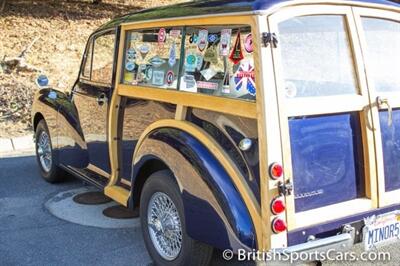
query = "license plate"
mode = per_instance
[{"x": 381, "y": 230}]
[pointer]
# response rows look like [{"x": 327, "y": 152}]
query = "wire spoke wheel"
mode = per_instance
[
  {"x": 44, "y": 151},
  {"x": 164, "y": 226}
]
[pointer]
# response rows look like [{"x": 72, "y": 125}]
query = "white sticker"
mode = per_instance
[
  {"x": 290, "y": 89},
  {"x": 225, "y": 42},
  {"x": 158, "y": 78},
  {"x": 202, "y": 40},
  {"x": 175, "y": 33},
  {"x": 207, "y": 85},
  {"x": 172, "y": 55},
  {"x": 157, "y": 61},
  {"x": 208, "y": 73},
  {"x": 188, "y": 83}
]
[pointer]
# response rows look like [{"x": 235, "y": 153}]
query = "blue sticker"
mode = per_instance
[
  {"x": 130, "y": 66},
  {"x": 190, "y": 62},
  {"x": 212, "y": 38},
  {"x": 245, "y": 78},
  {"x": 157, "y": 61}
]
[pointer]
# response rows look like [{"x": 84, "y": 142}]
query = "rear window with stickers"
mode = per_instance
[
  {"x": 219, "y": 61},
  {"x": 152, "y": 57},
  {"x": 214, "y": 60}
]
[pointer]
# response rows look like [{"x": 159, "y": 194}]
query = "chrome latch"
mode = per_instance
[
  {"x": 285, "y": 189},
  {"x": 380, "y": 102},
  {"x": 270, "y": 38}
]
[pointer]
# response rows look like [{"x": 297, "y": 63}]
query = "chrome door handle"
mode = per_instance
[
  {"x": 102, "y": 99},
  {"x": 382, "y": 102}
]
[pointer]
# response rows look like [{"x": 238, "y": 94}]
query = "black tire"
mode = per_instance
[
  {"x": 54, "y": 174},
  {"x": 192, "y": 252}
]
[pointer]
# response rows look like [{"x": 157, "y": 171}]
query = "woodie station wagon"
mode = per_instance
[{"x": 260, "y": 125}]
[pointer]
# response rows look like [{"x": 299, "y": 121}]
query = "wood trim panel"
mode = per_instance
[
  {"x": 219, "y": 153},
  {"x": 202, "y": 101},
  {"x": 385, "y": 198}
]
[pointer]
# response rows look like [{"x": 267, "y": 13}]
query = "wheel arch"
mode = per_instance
[
  {"x": 158, "y": 149},
  {"x": 36, "y": 119}
]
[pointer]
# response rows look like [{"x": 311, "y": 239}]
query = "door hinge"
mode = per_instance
[
  {"x": 270, "y": 38},
  {"x": 285, "y": 189}
]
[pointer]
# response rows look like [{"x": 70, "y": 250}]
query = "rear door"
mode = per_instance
[
  {"x": 325, "y": 114},
  {"x": 380, "y": 40}
]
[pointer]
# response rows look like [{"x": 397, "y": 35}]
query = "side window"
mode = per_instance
[
  {"x": 152, "y": 57},
  {"x": 219, "y": 61},
  {"x": 103, "y": 58},
  {"x": 88, "y": 60},
  {"x": 384, "y": 60},
  {"x": 316, "y": 56}
]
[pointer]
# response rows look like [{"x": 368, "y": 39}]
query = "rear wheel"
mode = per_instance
[
  {"x": 163, "y": 224},
  {"x": 45, "y": 155}
]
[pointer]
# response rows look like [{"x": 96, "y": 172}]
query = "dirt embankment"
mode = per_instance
[{"x": 57, "y": 32}]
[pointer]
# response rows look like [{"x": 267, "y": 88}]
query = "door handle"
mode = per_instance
[
  {"x": 381, "y": 102},
  {"x": 102, "y": 99}
]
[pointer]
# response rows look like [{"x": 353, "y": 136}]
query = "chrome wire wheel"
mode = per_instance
[
  {"x": 164, "y": 226},
  {"x": 44, "y": 151}
]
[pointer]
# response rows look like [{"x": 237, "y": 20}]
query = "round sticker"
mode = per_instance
[
  {"x": 170, "y": 77},
  {"x": 130, "y": 66},
  {"x": 248, "y": 43},
  {"x": 162, "y": 35},
  {"x": 131, "y": 54}
]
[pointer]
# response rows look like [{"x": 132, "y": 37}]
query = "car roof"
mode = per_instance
[{"x": 215, "y": 7}]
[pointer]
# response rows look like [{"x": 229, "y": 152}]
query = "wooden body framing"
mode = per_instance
[{"x": 272, "y": 111}]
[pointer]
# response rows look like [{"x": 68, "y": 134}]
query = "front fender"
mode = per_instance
[{"x": 214, "y": 209}]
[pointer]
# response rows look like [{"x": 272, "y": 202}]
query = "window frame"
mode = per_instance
[
  {"x": 325, "y": 105},
  {"x": 91, "y": 44}
]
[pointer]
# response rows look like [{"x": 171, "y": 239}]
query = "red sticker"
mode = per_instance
[
  {"x": 170, "y": 77},
  {"x": 162, "y": 35},
  {"x": 248, "y": 43},
  {"x": 237, "y": 54}
]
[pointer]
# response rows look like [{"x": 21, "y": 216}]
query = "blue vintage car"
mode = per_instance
[{"x": 243, "y": 125}]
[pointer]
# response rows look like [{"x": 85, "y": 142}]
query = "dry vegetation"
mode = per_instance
[{"x": 57, "y": 32}]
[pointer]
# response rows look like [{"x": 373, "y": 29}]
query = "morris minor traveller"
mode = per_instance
[{"x": 242, "y": 125}]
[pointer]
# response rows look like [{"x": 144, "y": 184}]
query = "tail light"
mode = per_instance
[
  {"x": 278, "y": 225},
  {"x": 278, "y": 205},
  {"x": 275, "y": 171}
]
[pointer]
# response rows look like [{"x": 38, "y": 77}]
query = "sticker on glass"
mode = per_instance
[
  {"x": 135, "y": 36},
  {"x": 190, "y": 62},
  {"x": 248, "y": 43},
  {"x": 207, "y": 85},
  {"x": 199, "y": 62},
  {"x": 148, "y": 73},
  {"x": 157, "y": 61},
  {"x": 245, "y": 78},
  {"x": 129, "y": 77},
  {"x": 162, "y": 35},
  {"x": 175, "y": 33},
  {"x": 202, "y": 41},
  {"x": 193, "y": 38},
  {"x": 172, "y": 55},
  {"x": 211, "y": 55},
  {"x": 131, "y": 54},
  {"x": 170, "y": 77},
  {"x": 212, "y": 38},
  {"x": 237, "y": 54},
  {"x": 144, "y": 49},
  {"x": 225, "y": 43},
  {"x": 130, "y": 66},
  {"x": 188, "y": 83},
  {"x": 208, "y": 73},
  {"x": 158, "y": 78}
]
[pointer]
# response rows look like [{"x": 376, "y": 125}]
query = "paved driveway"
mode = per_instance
[{"x": 30, "y": 235}]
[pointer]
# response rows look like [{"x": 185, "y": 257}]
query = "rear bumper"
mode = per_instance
[{"x": 333, "y": 228}]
